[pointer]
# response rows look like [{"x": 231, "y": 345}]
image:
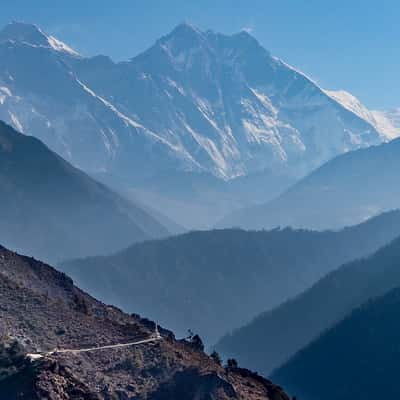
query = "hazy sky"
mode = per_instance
[{"x": 352, "y": 45}]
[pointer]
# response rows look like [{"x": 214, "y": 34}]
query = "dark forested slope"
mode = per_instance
[
  {"x": 213, "y": 282},
  {"x": 285, "y": 330},
  {"x": 357, "y": 359}
]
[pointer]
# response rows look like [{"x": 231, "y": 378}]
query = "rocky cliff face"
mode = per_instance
[{"x": 42, "y": 310}]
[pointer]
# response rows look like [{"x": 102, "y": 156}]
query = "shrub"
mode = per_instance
[{"x": 216, "y": 357}]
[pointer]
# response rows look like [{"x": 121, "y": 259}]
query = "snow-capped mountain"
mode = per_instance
[
  {"x": 347, "y": 190},
  {"x": 195, "y": 101},
  {"x": 386, "y": 123},
  {"x": 389, "y": 122},
  {"x": 40, "y": 92},
  {"x": 33, "y": 36}
]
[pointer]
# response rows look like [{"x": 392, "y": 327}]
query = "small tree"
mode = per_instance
[
  {"x": 80, "y": 304},
  {"x": 232, "y": 363},
  {"x": 197, "y": 343},
  {"x": 216, "y": 357}
]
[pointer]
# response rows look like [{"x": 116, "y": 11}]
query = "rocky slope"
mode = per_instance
[
  {"x": 282, "y": 332},
  {"x": 344, "y": 191},
  {"x": 358, "y": 358},
  {"x": 216, "y": 281},
  {"x": 41, "y": 310},
  {"x": 194, "y": 102},
  {"x": 50, "y": 209}
]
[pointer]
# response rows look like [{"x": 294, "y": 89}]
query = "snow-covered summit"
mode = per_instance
[
  {"x": 185, "y": 28},
  {"x": 34, "y": 36},
  {"x": 388, "y": 122},
  {"x": 195, "y": 101},
  {"x": 384, "y": 122}
]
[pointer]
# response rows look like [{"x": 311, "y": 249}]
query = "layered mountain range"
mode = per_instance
[
  {"x": 197, "y": 102},
  {"x": 344, "y": 191},
  {"x": 198, "y": 126},
  {"x": 52, "y": 210},
  {"x": 213, "y": 282},
  {"x": 293, "y": 325}
]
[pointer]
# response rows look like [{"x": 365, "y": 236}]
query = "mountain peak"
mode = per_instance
[
  {"x": 23, "y": 32},
  {"x": 32, "y": 35},
  {"x": 183, "y": 37},
  {"x": 186, "y": 28},
  {"x": 244, "y": 38},
  {"x": 245, "y": 34},
  {"x": 186, "y": 36}
]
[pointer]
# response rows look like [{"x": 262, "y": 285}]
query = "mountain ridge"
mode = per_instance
[
  {"x": 43, "y": 310},
  {"x": 189, "y": 50},
  {"x": 52, "y": 210},
  {"x": 33, "y": 35},
  {"x": 363, "y": 344},
  {"x": 301, "y": 320},
  {"x": 344, "y": 191},
  {"x": 226, "y": 277}
]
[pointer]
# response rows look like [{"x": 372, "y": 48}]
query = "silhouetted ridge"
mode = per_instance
[
  {"x": 358, "y": 358},
  {"x": 282, "y": 332},
  {"x": 52, "y": 210},
  {"x": 227, "y": 277},
  {"x": 344, "y": 191}
]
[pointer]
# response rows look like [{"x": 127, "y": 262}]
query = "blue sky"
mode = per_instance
[{"x": 352, "y": 45}]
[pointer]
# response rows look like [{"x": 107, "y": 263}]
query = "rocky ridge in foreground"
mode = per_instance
[{"x": 41, "y": 310}]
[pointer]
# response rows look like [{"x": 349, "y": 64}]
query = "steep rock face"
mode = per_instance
[
  {"x": 50, "y": 209},
  {"x": 41, "y": 310},
  {"x": 216, "y": 281}
]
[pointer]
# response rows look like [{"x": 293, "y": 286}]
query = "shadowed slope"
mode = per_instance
[
  {"x": 357, "y": 359},
  {"x": 285, "y": 330},
  {"x": 52, "y": 210},
  {"x": 215, "y": 281},
  {"x": 344, "y": 191}
]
